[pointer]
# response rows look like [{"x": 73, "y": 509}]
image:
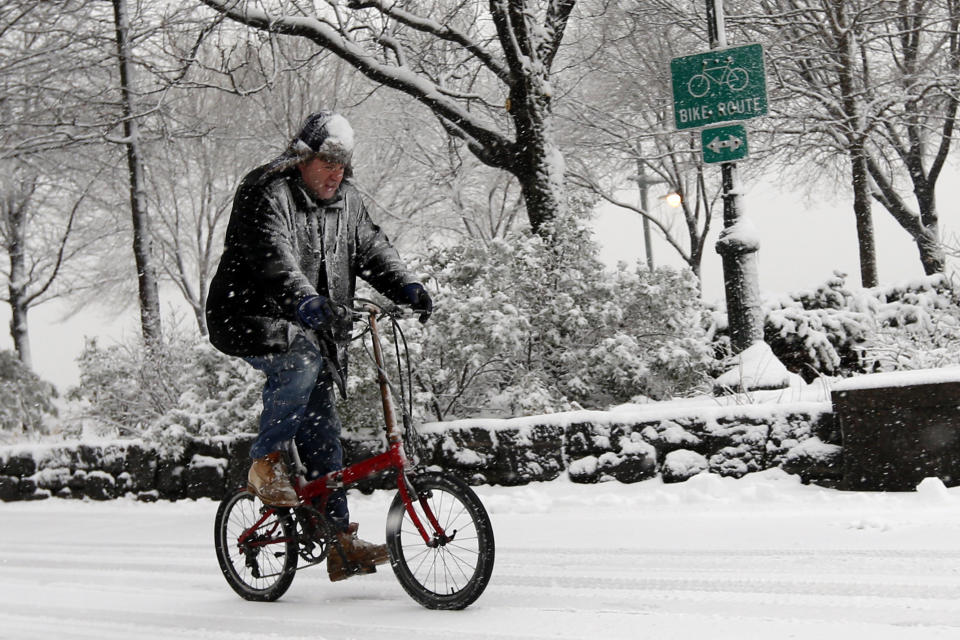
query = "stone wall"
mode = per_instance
[{"x": 729, "y": 441}]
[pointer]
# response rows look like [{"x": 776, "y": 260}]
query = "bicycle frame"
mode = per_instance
[{"x": 393, "y": 458}]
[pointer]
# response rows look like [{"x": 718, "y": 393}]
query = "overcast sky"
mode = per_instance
[{"x": 802, "y": 240}]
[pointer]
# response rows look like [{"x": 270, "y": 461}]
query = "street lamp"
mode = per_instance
[{"x": 673, "y": 199}]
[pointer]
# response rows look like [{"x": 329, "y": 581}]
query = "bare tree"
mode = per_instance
[
  {"x": 41, "y": 236},
  {"x": 477, "y": 70},
  {"x": 876, "y": 81},
  {"x": 14, "y": 204},
  {"x": 190, "y": 191},
  {"x": 917, "y": 131},
  {"x": 70, "y": 83},
  {"x": 142, "y": 252},
  {"x": 616, "y": 115},
  {"x": 463, "y": 198}
]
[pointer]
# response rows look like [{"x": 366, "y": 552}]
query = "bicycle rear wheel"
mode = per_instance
[
  {"x": 442, "y": 574},
  {"x": 261, "y": 567}
]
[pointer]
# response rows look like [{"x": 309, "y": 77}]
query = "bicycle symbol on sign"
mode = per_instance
[{"x": 735, "y": 78}]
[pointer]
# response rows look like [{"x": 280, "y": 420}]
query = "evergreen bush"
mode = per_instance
[{"x": 26, "y": 401}]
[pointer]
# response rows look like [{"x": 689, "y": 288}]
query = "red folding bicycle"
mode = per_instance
[{"x": 438, "y": 534}]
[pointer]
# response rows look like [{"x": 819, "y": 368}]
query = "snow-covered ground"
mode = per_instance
[{"x": 759, "y": 557}]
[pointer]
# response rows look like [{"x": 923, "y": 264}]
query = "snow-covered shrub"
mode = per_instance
[
  {"x": 184, "y": 387},
  {"x": 26, "y": 401},
  {"x": 527, "y": 325},
  {"x": 819, "y": 332},
  {"x": 836, "y": 330},
  {"x": 918, "y": 327}
]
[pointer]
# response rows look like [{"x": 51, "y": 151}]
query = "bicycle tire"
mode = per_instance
[
  {"x": 238, "y": 512},
  {"x": 446, "y": 576}
]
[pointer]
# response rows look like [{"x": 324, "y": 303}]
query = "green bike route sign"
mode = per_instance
[{"x": 721, "y": 85}]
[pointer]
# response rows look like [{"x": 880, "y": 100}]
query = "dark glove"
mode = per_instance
[
  {"x": 316, "y": 312},
  {"x": 419, "y": 300}
]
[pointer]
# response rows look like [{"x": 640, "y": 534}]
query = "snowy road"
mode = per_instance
[{"x": 761, "y": 557}]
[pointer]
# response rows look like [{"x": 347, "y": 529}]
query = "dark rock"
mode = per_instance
[
  {"x": 681, "y": 465},
  {"x": 53, "y": 479},
  {"x": 89, "y": 457},
  {"x": 9, "y": 488},
  {"x": 585, "y": 470},
  {"x": 28, "y": 487},
  {"x": 204, "y": 477},
  {"x": 100, "y": 486},
  {"x": 216, "y": 447},
  {"x": 114, "y": 458},
  {"x": 633, "y": 460},
  {"x": 584, "y": 439},
  {"x": 815, "y": 461},
  {"x": 526, "y": 454},
  {"x": 19, "y": 465},
  {"x": 735, "y": 462},
  {"x": 39, "y": 494},
  {"x": 467, "y": 451},
  {"x": 77, "y": 481},
  {"x": 170, "y": 484},
  {"x": 671, "y": 435},
  {"x": 140, "y": 467}
]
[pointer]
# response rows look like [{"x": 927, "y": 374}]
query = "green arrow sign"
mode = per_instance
[
  {"x": 724, "y": 144},
  {"x": 718, "y": 86}
]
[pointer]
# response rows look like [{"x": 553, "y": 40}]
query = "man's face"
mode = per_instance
[{"x": 322, "y": 177}]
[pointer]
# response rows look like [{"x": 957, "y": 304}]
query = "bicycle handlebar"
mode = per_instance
[{"x": 362, "y": 306}]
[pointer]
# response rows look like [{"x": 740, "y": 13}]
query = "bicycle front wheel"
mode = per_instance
[
  {"x": 448, "y": 573},
  {"x": 259, "y": 564}
]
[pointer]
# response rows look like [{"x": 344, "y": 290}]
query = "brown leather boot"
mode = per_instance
[
  {"x": 268, "y": 480},
  {"x": 363, "y": 555}
]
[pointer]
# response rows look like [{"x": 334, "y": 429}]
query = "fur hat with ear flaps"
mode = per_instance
[
  {"x": 324, "y": 134},
  {"x": 327, "y": 135}
]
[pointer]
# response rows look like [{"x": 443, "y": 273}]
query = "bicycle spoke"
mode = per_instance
[
  {"x": 446, "y": 572},
  {"x": 445, "y": 568}
]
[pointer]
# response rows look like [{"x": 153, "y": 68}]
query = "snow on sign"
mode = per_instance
[
  {"x": 718, "y": 86},
  {"x": 724, "y": 144}
]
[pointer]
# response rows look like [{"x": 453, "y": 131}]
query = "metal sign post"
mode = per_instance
[{"x": 737, "y": 248}]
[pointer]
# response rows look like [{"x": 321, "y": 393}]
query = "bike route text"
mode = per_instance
[{"x": 732, "y": 109}]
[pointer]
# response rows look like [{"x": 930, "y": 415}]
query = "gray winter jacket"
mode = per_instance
[{"x": 281, "y": 246}]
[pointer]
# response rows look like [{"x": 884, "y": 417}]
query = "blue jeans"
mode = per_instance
[{"x": 299, "y": 404}]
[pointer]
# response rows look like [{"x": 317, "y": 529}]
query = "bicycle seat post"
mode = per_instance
[{"x": 296, "y": 464}]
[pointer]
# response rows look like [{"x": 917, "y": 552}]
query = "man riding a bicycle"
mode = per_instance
[{"x": 298, "y": 237}]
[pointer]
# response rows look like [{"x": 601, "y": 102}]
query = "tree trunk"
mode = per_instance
[
  {"x": 20, "y": 332},
  {"x": 862, "y": 212},
  {"x": 932, "y": 256},
  {"x": 146, "y": 271},
  {"x": 537, "y": 171},
  {"x": 16, "y": 241}
]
